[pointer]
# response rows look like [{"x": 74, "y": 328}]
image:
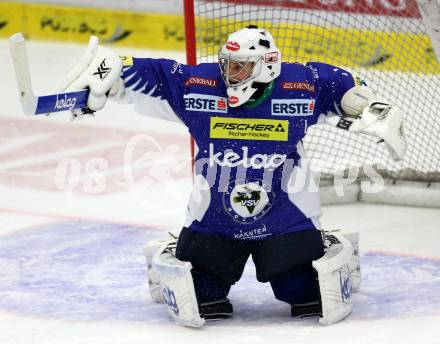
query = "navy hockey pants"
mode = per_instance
[{"x": 285, "y": 261}]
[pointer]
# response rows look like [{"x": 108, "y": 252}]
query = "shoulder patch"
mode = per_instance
[
  {"x": 359, "y": 82},
  {"x": 127, "y": 61}
]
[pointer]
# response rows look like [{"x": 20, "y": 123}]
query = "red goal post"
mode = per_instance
[{"x": 384, "y": 42}]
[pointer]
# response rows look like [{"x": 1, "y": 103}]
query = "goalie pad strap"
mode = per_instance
[
  {"x": 344, "y": 124},
  {"x": 354, "y": 264},
  {"x": 153, "y": 277}
]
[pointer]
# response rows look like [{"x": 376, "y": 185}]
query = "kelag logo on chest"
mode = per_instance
[{"x": 293, "y": 107}]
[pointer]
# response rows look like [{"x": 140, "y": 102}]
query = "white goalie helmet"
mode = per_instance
[{"x": 250, "y": 56}]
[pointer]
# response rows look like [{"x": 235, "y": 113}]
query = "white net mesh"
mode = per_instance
[{"x": 392, "y": 53}]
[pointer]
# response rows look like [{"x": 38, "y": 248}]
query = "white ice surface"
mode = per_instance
[{"x": 30, "y": 151}]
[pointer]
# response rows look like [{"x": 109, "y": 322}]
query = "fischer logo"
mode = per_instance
[
  {"x": 233, "y": 100},
  {"x": 293, "y": 107},
  {"x": 205, "y": 103},
  {"x": 297, "y": 85},
  {"x": 65, "y": 103},
  {"x": 249, "y": 129},
  {"x": 229, "y": 158},
  {"x": 233, "y": 46},
  {"x": 194, "y": 80}
]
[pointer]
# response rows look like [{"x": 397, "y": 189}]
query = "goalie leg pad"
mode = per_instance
[
  {"x": 335, "y": 279},
  {"x": 173, "y": 279},
  {"x": 354, "y": 264},
  {"x": 150, "y": 250}
]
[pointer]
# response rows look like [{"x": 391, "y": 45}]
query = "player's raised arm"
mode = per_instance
[
  {"x": 358, "y": 109},
  {"x": 99, "y": 76},
  {"x": 364, "y": 112},
  {"x": 154, "y": 86},
  {"x": 83, "y": 89}
]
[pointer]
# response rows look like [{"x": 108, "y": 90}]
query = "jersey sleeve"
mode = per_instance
[
  {"x": 332, "y": 84},
  {"x": 155, "y": 87}
]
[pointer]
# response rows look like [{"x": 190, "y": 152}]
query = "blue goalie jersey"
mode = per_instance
[{"x": 252, "y": 179}]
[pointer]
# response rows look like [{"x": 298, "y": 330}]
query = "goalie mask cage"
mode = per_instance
[{"x": 382, "y": 42}]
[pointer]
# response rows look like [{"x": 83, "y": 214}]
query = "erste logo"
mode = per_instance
[
  {"x": 249, "y": 129},
  {"x": 293, "y": 107},
  {"x": 205, "y": 103},
  {"x": 221, "y": 104}
]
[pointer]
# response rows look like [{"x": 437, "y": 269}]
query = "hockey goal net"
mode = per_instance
[{"x": 383, "y": 42}]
